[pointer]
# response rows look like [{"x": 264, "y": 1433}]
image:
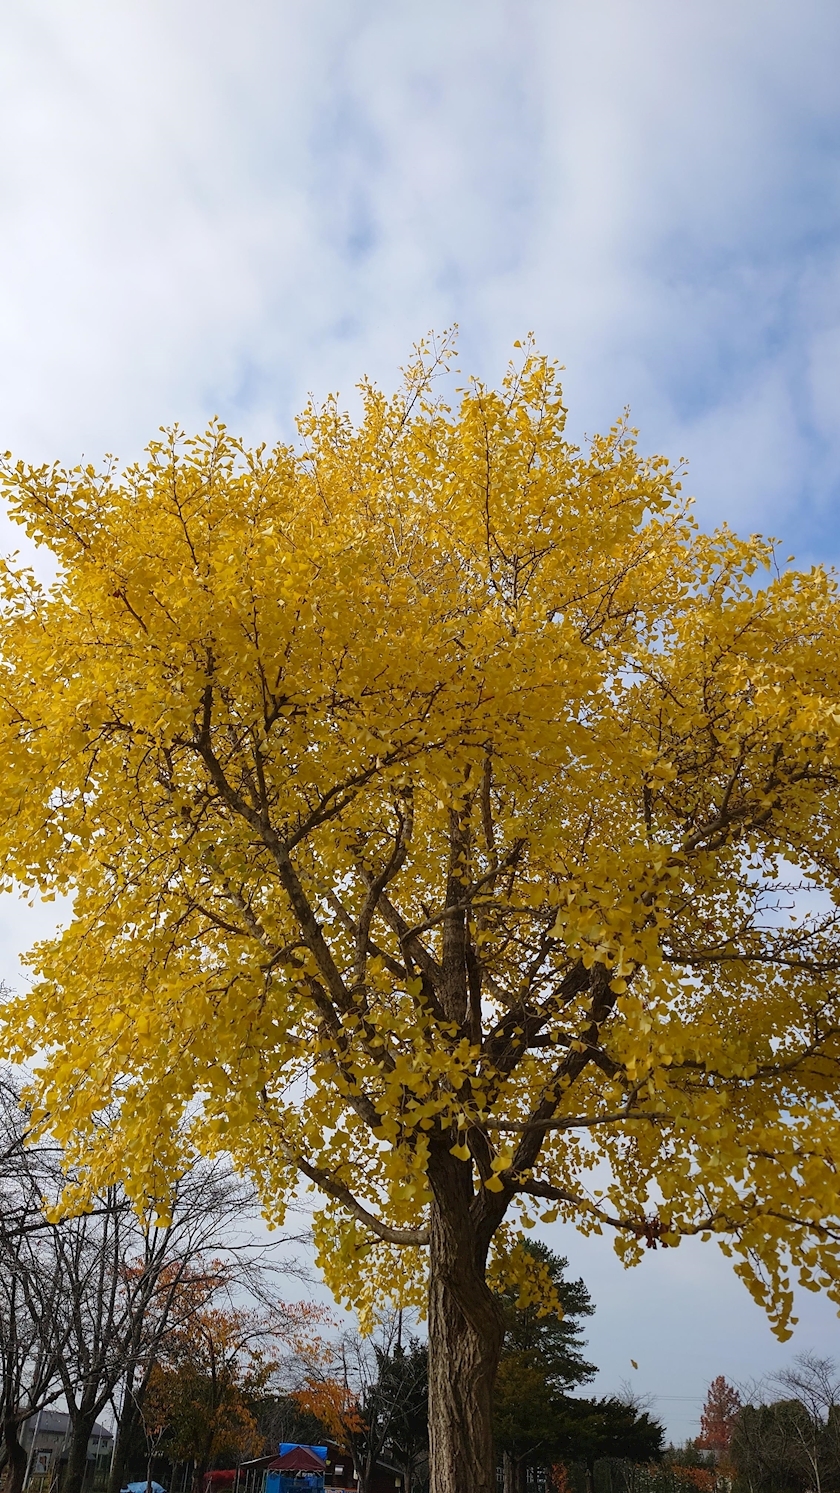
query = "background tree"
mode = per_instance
[
  {"x": 281, "y": 1417},
  {"x": 204, "y": 1250},
  {"x": 683, "y": 1469},
  {"x": 128, "y": 1285},
  {"x": 527, "y": 1417},
  {"x": 758, "y": 1450},
  {"x": 371, "y": 1394},
  {"x": 718, "y": 1418},
  {"x": 688, "y": 1466},
  {"x": 205, "y": 1388},
  {"x": 790, "y": 1442},
  {"x": 86, "y": 1301},
  {"x": 331, "y": 1397},
  {"x": 31, "y": 1340},
  {"x": 811, "y": 1389},
  {"x": 541, "y": 1361},
  {"x": 607, "y": 1428},
  {"x": 403, "y": 1395},
  {"x": 434, "y": 799}
]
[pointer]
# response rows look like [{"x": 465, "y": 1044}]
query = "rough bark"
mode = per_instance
[
  {"x": 15, "y": 1456},
  {"x": 74, "y": 1475},
  {"x": 465, "y": 1338},
  {"x": 129, "y": 1419}
]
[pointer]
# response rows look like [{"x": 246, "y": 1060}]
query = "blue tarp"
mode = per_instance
[
  {"x": 303, "y": 1471},
  {"x": 294, "y": 1482}
]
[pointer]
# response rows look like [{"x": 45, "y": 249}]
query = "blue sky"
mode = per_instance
[{"x": 215, "y": 208}]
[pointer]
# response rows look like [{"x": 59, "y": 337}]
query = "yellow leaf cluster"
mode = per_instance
[{"x": 437, "y": 802}]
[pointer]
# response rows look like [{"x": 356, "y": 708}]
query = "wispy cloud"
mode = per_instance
[{"x": 209, "y": 208}]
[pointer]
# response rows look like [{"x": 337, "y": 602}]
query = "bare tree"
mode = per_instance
[
  {"x": 786, "y": 1435},
  {"x": 124, "y": 1284},
  {"x": 202, "y": 1249},
  {"x": 371, "y": 1394},
  {"x": 87, "y": 1301},
  {"x": 31, "y": 1340},
  {"x": 812, "y": 1390}
]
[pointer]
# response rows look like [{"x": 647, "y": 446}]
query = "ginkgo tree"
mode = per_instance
[{"x": 451, "y": 826}]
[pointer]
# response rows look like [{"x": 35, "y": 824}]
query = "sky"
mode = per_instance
[{"x": 212, "y": 207}]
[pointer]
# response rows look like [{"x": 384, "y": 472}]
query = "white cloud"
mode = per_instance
[{"x": 216, "y": 208}]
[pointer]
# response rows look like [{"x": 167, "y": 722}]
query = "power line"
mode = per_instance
[{"x": 651, "y": 1394}]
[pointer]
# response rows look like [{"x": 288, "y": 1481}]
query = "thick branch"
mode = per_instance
[
  {"x": 649, "y": 1229},
  {"x": 579, "y": 1055},
  {"x": 465, "y": 896},
  {"x": 576, "y": 1122},
  {"x": 342, "y": 1194},
  {"x": 454, "y": 943},
  {"x": 310, "y": 928},
  {"x": 518, "y": 1029},
  {"x": 377, "y": 886},
  {"x": 409, "y": 941},
  {"x": 393, "y": 965}
]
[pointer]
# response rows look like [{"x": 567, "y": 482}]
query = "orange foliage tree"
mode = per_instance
[
  {"x": 718, "y": 1419},
  {"x": 210, "y": 1377},
  {"x": 332, "y": 1392},
  {"x": 701, "y": 1478}
]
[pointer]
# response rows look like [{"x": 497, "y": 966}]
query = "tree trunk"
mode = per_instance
[
  {"x": 199, "y": 1473},
  {"x": 128, "y": 1421},
  {"x": 74, "y": 1474},
  {"x": 16, "y": 1458},
  {"x": 465, "y": 1338},
  {"x": 366, "y": 1468}
]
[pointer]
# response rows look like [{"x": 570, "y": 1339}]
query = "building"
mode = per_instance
[
  {"x": 295, "y": 1468},
  {"x": 45, "y": 1438}
]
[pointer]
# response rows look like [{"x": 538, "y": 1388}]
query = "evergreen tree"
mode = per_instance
[
  {"x": 541, "y": 1360},
  {"x": 554, "y": 1341},
  {"x": 595, "y": 1429},
  {"x": 402, "y": 1402}
]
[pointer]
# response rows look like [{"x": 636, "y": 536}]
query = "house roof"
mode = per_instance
[
  {"x": 298, "y": 1459},
  {"x": 57, "y": 1423}
]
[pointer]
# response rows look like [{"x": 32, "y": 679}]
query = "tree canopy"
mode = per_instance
[
  {"x": 595, "y": 1429},
  {"x": 444, "y": 815},
  {"x": 718, "y": 1418},
  {"x": 553, "y": 1338}
]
